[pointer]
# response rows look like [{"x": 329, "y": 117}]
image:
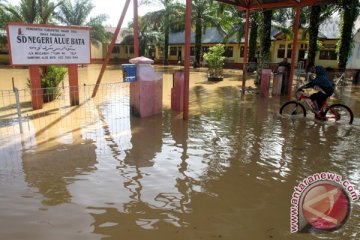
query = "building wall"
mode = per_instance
[{"x": 354, "y": 60}]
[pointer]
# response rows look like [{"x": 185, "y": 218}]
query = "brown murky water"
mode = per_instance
[{"x": 227, "y": 173}]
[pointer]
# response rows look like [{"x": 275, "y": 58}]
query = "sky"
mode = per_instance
[{"x": 113, "y": 9}]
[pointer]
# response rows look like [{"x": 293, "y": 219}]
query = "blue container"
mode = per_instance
[{"x": 129, "y": 72}]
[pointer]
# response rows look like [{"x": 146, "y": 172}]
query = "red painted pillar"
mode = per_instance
[
  {"x": 187, "y": 58},
  {"x": 294, "y": 49},
  {"x": 35, "y": 85},
  {"x": 136, "y": 29},
  {"x": 73, "y": 84},
  {"x": 246, "y": 48}
]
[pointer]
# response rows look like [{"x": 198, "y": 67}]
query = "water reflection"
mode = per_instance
[
  {"x": 53, "y": 170},
  {"x": 227, "y": 173}
]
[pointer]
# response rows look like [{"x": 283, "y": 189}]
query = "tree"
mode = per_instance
[
  {"x": 74, "y": 13},
  {"x": 253, "y": 36},
  {"x": 204, "y": 14},
  {"x": 149, "y": 35},
  {"x": 40, "y": 12},
  {"x": 46, "y": 10},
  {"x": 266, "y": 36},
  {"x": 317, "y": 15},
  {"x": 349, "y": 13},
  {"x": 26, "y": 11},
  {"x": 232, "y": 22},
  {"x": 170, "y": 18},
  {"x": 77, "y": 13}
]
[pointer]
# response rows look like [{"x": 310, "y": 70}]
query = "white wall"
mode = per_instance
[{"x": 354, "y": 59}]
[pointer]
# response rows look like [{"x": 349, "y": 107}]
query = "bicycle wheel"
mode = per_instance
[
  {"x": 339, "y": 113},
  {"x": 293, "y": 109}
]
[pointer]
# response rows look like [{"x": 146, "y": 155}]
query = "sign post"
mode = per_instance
[
  {"x": 41, "y": 45},
  {"x": 35, "y": 85}
]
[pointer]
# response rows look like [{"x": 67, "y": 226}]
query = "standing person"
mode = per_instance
[{"x": 324, "y": 86}]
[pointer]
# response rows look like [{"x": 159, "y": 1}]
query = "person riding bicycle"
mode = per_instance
[{"x": 324, "y": 86}]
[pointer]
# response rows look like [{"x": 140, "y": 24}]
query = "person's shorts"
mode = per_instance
[{"x": 319, "y": 97}]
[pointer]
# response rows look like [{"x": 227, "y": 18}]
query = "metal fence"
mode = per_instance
[{"x": 17, "y": 114}]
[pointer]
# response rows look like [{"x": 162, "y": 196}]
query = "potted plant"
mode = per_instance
[{"x": 215, "y": 61}]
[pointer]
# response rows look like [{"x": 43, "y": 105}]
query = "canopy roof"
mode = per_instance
[{"x": 269, "y": 4}]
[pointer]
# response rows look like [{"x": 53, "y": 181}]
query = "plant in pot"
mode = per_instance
[{"x": 215, "y": 61}]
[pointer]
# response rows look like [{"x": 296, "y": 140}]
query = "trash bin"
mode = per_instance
[{"x": 129, "y": 72}]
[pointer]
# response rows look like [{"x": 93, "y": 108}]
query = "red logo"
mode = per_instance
[{"x": 326, "y": 206}]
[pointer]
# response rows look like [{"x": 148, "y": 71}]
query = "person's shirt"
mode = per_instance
[{"x": 321, "y": 81}]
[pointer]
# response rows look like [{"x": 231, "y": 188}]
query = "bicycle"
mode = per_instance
[
  {"x": 341, "y": 81},
  {"x": 337, "y": 112}
]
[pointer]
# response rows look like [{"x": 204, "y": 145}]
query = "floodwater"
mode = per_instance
[{"x": 227, "y": 173}]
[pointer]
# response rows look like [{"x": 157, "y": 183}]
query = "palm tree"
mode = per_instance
[
  {"x": 313, "y": 33},
  {"x": 317, "y": 15},
  {"x": 46, "y": 10},
  {"x": 349, "y": 13},
  {"x": 77, "y": 12},
  {"x": 168, "y": 19},
  {"x": 74, "y": 13},
  {"x": 266, "y": 35},
  {"x": 254, "y": 19},
  {"x": 149, "y": 34},
  {"x": 26, "y": 11},
  {"x": 232, "y": 21},
  {"x": 204, "y": 14},
  {"x": 40, "y": 12}
]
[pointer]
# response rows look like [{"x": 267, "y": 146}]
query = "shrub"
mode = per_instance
[
  {"x": 215, "y": 60},
  {"x": 50, "y": 78}
]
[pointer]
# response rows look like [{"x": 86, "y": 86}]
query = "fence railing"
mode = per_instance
[{"x": 17, "y": 114}]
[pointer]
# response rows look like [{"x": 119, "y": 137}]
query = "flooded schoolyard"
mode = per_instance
[{"x": 229, "y": 172}]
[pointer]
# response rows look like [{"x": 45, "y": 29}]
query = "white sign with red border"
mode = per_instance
[{"x": 31, "y": 44}]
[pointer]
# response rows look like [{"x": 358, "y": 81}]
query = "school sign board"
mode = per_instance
[{"x": 31, "y": 44}]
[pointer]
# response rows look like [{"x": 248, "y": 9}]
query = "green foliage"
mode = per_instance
[
  {"x": 215, "y": 60},
  {"x": 266, "y": 35},
  {"x": 50, "y": 81},
  {"x": 166, "y": 20},
  {"x": 204, "y": 14},
  {"x": 32, "y": 11},
  {"x": 53, "y": 77},
  {"x": 253, "y": 36}
]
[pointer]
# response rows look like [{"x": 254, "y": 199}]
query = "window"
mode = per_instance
[
  {"x": 358, "y": 52},
  {"x": 281, "y": 53},
  {"x": 173, "y": 51},
  {"x": 229, "y": 51},
  {"x": 288, "y": 55},
  {"x": 192, "y": 51},
  {"x": 116, "y": 49},
  {"x": 289, "y": 46},
  {"x": 328, "y": 55},
  {"x": 242, "y": 51},
  {"x": 129, "y": 50},
  {"x": 205, "y": 49}
]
